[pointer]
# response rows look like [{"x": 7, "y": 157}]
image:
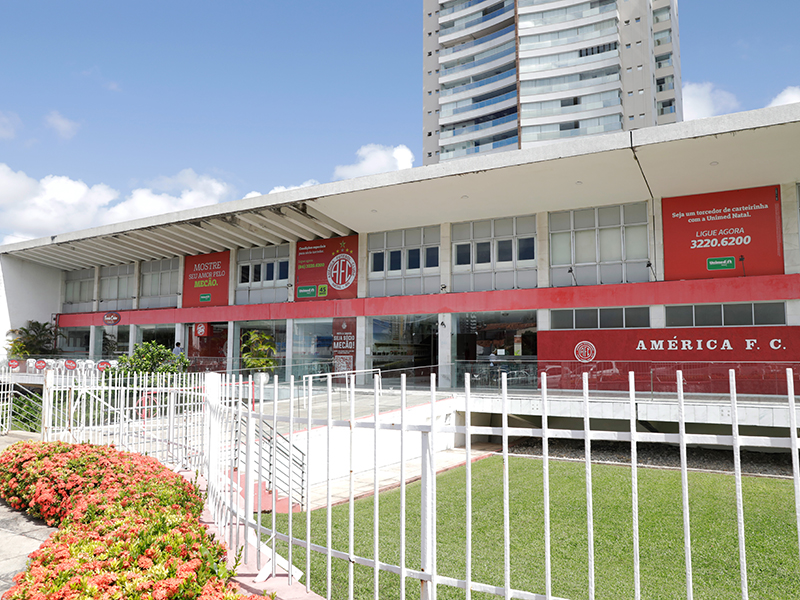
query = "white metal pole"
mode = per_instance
[
  {"x": 376, "y": 492},
  {"x": 506, "y": 517},
  {"x": 548, "y": 570},
  {"x": 793, "y": 439},
  {"x": 328, "y": 523},
  {"x": 637, "y": 586},
  {"x": 737, "y": 466},
  {"x": 687, "y": 540},
  {"x": 468, "y": 457},
  {"x": 291, "y": 469},
  {"x": 402, "y": 486},
  {"x": 350, "y": 389},
  {"x": 589, "y": 506},
  {"x": 307, "y": 482}
]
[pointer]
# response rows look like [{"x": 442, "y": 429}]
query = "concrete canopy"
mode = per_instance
[{"x": 742, "y": 150}]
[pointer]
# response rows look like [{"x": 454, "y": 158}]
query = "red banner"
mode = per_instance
[
  {"x": 205, "y": 280},
  {"x": 344, "y": 344},
  {"x": 724, "y": 234},
  {"x": 327, "y": 269}
]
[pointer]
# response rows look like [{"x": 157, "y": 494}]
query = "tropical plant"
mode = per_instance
[
  {"x": 36, "y": 339},
  {"x": 109, "y": 345},
  {"x": 152, "y": 357},
  {"x": 258, "y": 350}
]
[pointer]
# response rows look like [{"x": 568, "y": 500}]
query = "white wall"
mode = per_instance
[{"x": 28, "y": 292}]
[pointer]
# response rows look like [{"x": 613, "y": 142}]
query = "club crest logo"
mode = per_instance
[{"x": 585, "y": 351}]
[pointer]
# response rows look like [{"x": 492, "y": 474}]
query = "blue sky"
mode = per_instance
[{"x": 113, "y": 110}]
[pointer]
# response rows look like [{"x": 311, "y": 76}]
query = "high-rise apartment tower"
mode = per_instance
[{"x": 506, "y": 74}]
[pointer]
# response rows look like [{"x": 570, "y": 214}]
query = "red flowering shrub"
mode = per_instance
[{"x": 128, "y": 526}]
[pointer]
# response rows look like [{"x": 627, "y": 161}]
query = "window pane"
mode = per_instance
[
  {"x": 561, "y": 248},
  {"x": 482, "y": 229},
  {"x": 462, "y": 231},
  {"x": 503, "y": 227},
  {"x": 377, "y": 262},
  {"x": 561, "y": 319},
  {"x": 679, "y": 316},
  {"x": 432, "y": 257},
  {"x": 610, "y": 244},
  {"x": 86, "y": 290},
  {"x": 586, "y": 246},
  {"x": 584, "y": 218},
  {"x": 244, "y": 274},
  {"x": 463, "y": 254},
  {"x": 770, "y": 313},
  {"x": 375, "y": 241},
  {"x": 270, "y": 274},
  {"x": 173, "y": 282},
  {"x": 707, "y": 315},
  {"x": 504, "y": 251},
  {"x": 164, "y": 291},
  {"x": 283, "y": 269},
  {"x": 586, "y": 318},
  {"x": 608, "y": 216},
  {"x": 431, "y": 234},
  {"x": 738, "y": 314},
  {"x": 559, "y": 221},
  {"x": 638, "y": 316},
  {"x": 483, "y": 253},
  {"x": 124, "y": 282},
  {"x": 610, "y": 318},
  {"x": 636, "y": 213},
  {"x": 413, "y": 237},
  {"x": 412, "y": 258},
  {"x": 527, "y": 225},
  {"x": 636, "y": 242},
  {"x": 395, "y": 260},
  {"x": 526, "y": 248},
  {"x": 394, "y": 239},
  {"x": 104, "y": 289},
  {"x": 257, "y": 272}
]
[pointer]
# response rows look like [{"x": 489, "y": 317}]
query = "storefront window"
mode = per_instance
[
  {"x": 403, "y": 344},
  {"x": 489, "y": 344},
  {"x": 277, "y": 332},
  {"x": 161, "y": 334},
  {"x": 312, "y": 346},
  {"x": 75, "y": 340},
  {"x": 207, "y": 347}
]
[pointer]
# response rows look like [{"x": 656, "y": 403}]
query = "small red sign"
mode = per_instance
[
  {"x": 201, "y": 329},
  {"x": 40, "y": 364},
  {"x": 103, "y": 365},
  {"x": 70, "y": 364},
  {"x": 111, "y": 318},
  {"x": 13, "y": 363}
]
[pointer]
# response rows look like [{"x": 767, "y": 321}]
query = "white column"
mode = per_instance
[
  {"x": 292, "y": 269},
  {"x": 179, "y": 329},
  {"x": 791, "y": 228},
  {"x": 232, "y": 279},
  {"x": 658, "y": 316},
  {"x": 445, "y": 253},
  {"x": 132, "y": 335},
  {"x": 95, "y": 342},
  {"x": 542, "y": 251},
  {"x": 655, "y": 226},
  {"x": 96, "y": 290},
  {"x": 230, "y": 346},
  {"x": 445, "y": 322},
  {"x": 289, "y": 347},
  {"x": 181, "y": 271},
  {"x": 137, "y": 278},
  {"x": 363, "y": 266}
]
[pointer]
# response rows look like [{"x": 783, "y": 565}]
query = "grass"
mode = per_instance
[{"x": 770, "y": 523}]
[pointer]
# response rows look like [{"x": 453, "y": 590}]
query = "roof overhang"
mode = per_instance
[{"x": 737, "y": 151}]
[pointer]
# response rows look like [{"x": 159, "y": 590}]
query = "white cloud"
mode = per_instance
[
  {"x": 253, "y": 194},
  {"x": 112, "y": 86},
  {"x": 374, "y": 158},
  {"x": 31, "y": 208},
  {"x": 9, "y": 123},
  {"x": 701, "y": 100},
  {"x": 61, "y": 124},
  {"x": 790, "y": 95},
  {"x": 283, "y": 188}
]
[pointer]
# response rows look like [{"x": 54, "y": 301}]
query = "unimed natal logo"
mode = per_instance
[{"x": 717, "y": 264}]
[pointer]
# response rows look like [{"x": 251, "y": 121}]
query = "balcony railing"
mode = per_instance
[
  {"x": 476, "y": 149},
  {"x": 568, "y": 62},
  {"x": 477, "y": 84},
  {"x": 478, "y": 42},
  {"x": 550, "y": 19},
  {"x": 571, "y": 85},
  {"x": 479, "y": 127},
  {"x": 568, "y": 133},
  {"x": 456, "y": 28},
  {"x": 478, "y": 63},
  {"x": 458, "y": 7},
  {"x": 477, "y": 105},
  {"x": 564, "y": 41},
  {"x": 566, "y": 110}
]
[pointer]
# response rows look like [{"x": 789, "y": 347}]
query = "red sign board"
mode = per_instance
[
  {"x": 202, "y": 329},
  {"x": 763, "y": 344},
  {"x": 344, "y": 344},
  {"x": 40, "y": 364},
  {"x": 13, "y": 363},
  {"x": 103, "y": 365},
  {"x": 205, "y": 280},
  {"x": 111, "y": 318},
  {"x": 70, "y": 364},
  {"x": 327, "y": 269},
  {"x": 724, "y": 234}
]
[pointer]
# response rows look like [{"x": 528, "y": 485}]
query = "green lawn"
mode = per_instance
[{"x": 772, "y": 553}]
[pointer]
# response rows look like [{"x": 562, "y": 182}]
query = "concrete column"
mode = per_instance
[
  {"x": 95, "y": 342},
  {"x": 181, "y": 271},
  {"x": 791, "y": 228},
  {"x": 230, "y": 348},
  {"x": 655, "y": 227},
  {"x": 445, "y": 257},
  {"x": 137, "y": 278},
  {"x": 292, "y": 279},
  {"x": 179, "y": 329},
  {"x": 363, "y": 266},
  {"x": 232, "y": 279},
  {"x": 446, "y": 369},
  {"x": 96, "y": 290},
  {"x": 361, "y": 346},
  {"x": 289, "y": 347},
  {"x": 658, "y": 316},
  {"x": 132, "y": 335},
  {"x": 542, "y": 251},
  {"x": 543, "y": 319}
]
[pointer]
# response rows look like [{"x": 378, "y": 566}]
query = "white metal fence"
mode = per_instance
[
  {"x": 265, "y": 449},
  {"x": 6, "y": 401}
]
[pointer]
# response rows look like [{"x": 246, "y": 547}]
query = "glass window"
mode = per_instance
[
  {"x": 404, "y": 262},
  {"x": 611, "y": 318},
  {"x": 526, "y": 248},
  {"x": 636, "y": 242},
  {"x": 707, "y": 315},
  {"x": 244, "y": 274},
  {"x": 395, "y": 260},
  {"x": 270, "y": 272},
  {"x": 504, "y": 251},
  {"x": 257, "y": 273},
  {"x": 610, "y": 245},
  {"x": 377, "y": 262},
  {"x": 561, "y": 319},
  {"x": 413, "y": 258},
  {"x": 431, "y": 257},
  {"x": 770, "y": 313},
  {"x": 680, "y": 316},
  {"x": 463, "y": 256},
  {"x": 586, "y": 318},
  {"x": 585, "y": 246},
  {"x": 561, "y": 248},
  {"x": 483, "y": 253},
  {"x": 283, "y": 269},
  {"x": 738, "y": 314},
  {"x": 637, "y": 316}
]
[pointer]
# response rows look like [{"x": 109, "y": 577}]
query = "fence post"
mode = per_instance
[
  {"x": 171, "y": 446},
  {"x": 212, "y": 386},
  {"x": 47, "y": 404},
  {"x": 427, "y": 513}
]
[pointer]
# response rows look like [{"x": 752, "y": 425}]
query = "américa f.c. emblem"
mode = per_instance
[
  {"x": 341, "y": 271},
  {"x": 585, "y": 351}
]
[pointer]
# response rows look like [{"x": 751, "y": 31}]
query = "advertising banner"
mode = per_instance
[
  {"x": 205, "y": 280},
  {"x": 724, "y": 234},
  {"x": 344, "y": 344},
  {"x": 759, "y": 355},
  {"x": 327, "y": 269}
]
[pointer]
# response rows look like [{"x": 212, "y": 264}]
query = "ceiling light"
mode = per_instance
[{"x": 713, "y": 163}]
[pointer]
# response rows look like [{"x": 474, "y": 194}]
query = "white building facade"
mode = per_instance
[{"x": 505, "y": 74}]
